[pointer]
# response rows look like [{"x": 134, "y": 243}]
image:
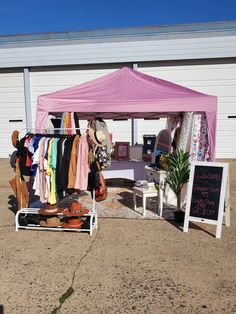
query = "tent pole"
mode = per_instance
[
  {"x": 134, "y": 122},
  {"x": 28, "y": 113}
]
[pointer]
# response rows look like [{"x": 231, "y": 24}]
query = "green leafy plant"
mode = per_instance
[{"x": 178, "y": 173}]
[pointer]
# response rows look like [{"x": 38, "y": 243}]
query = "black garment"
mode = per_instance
[
  {"x": 59, "y": 167},
  {"x": 56, "y": 122},
  {"x": 77, "y": 124},
  {"x": 23, "y": 153},
  {"x": 94, "y": 177},
  {"x": 63, "y": 179},
  {"x": 13, "y": 159},
  {"x": 59, "y": 163}
]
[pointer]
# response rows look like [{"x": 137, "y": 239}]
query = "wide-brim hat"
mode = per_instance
[
  {"x": 73, "y": 224},
  {"x": 71, "y": 211},
  {"x": 98, "y": 137},
  {"x": 51, "y": 222},
  {"x": 50, "y": 210}
]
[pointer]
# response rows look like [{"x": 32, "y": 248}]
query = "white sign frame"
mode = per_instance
[{"x": 224, "y": 202}]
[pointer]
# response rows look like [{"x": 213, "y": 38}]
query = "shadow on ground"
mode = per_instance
[{"x": 12, "y": 202}]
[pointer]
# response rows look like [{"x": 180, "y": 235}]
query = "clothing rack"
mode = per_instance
[{"x": 33, "y": 130}]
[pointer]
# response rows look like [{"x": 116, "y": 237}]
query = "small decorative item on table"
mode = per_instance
[{"x": 122, "y": 150}]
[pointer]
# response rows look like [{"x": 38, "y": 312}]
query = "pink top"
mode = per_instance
[{"x": 81, "y": 180}]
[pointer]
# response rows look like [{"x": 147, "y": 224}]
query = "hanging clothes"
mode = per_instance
[
  {"x": 199, "y": 140},
  {"x": 63, "y": 178},
  {"x": 185, "y": 132},
  {"x": 20, "y": 188},
  {"x": 58, "y": 163},
  {"x": 73, "y": 163},
  {"x": 24, "y": 156},
  {"x": 82, "y": 171}
]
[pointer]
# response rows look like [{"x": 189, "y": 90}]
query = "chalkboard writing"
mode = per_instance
[{"x": 206, "y": 191}]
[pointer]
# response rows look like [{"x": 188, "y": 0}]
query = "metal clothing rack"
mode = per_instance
[
  {"x": 42, "y": 130},
  {"x": 34, "y": 211}
]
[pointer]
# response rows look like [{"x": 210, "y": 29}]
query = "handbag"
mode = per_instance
[
  {"x": 102, "y": 156},
  {"x": 101, "y": 191}
]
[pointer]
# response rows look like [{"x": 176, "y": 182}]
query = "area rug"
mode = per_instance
[{"x": 119, "y": 204}]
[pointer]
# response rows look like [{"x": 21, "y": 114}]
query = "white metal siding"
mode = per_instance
[
  {"x": 123, "y": 51},
  {"x": 212, "y": 79},
  {"x": 50, "y": 81},
  {"x": 12, "y": 106}
]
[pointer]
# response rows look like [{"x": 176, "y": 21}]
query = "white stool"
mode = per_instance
[{"x": 144, "y": 193}]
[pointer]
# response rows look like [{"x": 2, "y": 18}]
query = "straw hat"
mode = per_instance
[
  {"x": 73, "y": 223},
  {"x": 98, "y": 137},
  {"x": 75, "y": 209},
  {"x": 51, "y": 222}
]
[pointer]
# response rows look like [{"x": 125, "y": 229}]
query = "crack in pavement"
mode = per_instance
[{"x": 66, "y": 295}]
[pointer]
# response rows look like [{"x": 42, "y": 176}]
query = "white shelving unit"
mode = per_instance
[{"x": 35, "y": 211}]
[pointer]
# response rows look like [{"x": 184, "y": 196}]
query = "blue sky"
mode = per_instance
[{"x": 39, "y": 16}]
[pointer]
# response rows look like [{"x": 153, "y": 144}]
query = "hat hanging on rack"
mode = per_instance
[
  {"x": 98, "y": 137},
  {"x": 14, "y": 137}
]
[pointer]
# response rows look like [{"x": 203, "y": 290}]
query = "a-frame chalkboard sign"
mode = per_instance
[{"x": 208, "y": 195}]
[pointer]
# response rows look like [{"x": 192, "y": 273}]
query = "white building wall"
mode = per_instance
[
  {"x": 12, "y": 107},
  {"x": 122, "y": 50},
  {"x": 212, "y": 79}
]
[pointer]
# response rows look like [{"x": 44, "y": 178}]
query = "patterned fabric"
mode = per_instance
[
  {"x": 199, "y": 140},
  {"x": 185, "y": 132},
  {"x": 203, "y": 152},
  {"x": 171, "y": 124}
]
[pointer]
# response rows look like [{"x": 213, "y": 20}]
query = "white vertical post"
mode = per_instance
[
  {"x": 134, "y": 122},
  {"x": 28, "y": 113}
]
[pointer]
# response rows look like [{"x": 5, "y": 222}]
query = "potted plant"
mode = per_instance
[{"x": 178, "y": 175}]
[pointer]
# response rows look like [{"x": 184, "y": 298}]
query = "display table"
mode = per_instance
[
  {"x": 144, "y": 193},
  {"x": 132, "y": 170}
]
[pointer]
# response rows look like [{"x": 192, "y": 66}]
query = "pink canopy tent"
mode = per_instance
[{"x": 127, "y": 93}]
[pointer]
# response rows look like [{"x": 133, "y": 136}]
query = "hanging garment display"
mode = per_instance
[
  {"x": 99, "y": 135},
  {"x": 171, "y": 124},
  {"x": 69, "y": 123},
  {"x": 185, "y": 132},
  {"x": 199, "y": 140},
  {"x": 60, "y": 164},
  {"x": 82, "y": 171}
]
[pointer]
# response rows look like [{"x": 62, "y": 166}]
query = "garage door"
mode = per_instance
[
  {"x": 212, "y": 79},
  {"x": 12, "y": 109}
]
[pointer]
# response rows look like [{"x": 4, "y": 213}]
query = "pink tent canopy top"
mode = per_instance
[{"x": 127, "y": 93}]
